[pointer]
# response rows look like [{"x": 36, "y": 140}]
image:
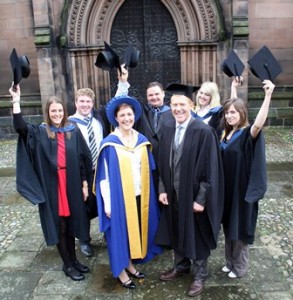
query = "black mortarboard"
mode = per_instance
[
  {"x": 108, "y": 59},
  {"x": 232, "y": 65},
  {"x": 181, "y": 89},
  {"x": 264, "y": 65},
  {"x": 130, "y": 58},
  {"x": 20, "y": 67}
]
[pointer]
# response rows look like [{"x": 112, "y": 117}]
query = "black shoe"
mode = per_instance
[
  {"x": 137, "y": 274},
  {"x": 86, "y": 249},
  {"x": 128, "y": 284},
  {"x": 73, "y": 273},
  {"x": 80, "y": 267}
]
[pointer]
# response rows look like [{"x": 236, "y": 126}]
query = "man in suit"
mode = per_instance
[
  {"x": 94, "y": 126},
  {"x": 190, "y": 190}
]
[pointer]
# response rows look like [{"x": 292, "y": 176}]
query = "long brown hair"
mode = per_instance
[
  {"x": 241, "y": 108},
  {"x": 48, "y": 121}
]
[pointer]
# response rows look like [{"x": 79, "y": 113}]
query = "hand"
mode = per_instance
[
  {"x": 123, "y": 77},
  {"x": 15, "y": 93},
  {"x": 237, "y": 81},
  {"x": 85, "y": 192},
  {"x": 268, "y": 87},
  {"x": 197, "y": 207},
  {"x": 108, "y": 214},
  {"x": 163, "y": 198}
]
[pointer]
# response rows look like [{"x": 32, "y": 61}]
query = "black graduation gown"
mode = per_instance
[
  {"x": 201, "y": 176},
  {"x": 215, "y": 122},
  {"x": 145, "y": 126},
  {"x": 245, "y": 184},
  {"x": 36, "y": 177}
]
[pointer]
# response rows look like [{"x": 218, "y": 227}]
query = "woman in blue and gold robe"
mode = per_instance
[{"x": 126, "y": 197}]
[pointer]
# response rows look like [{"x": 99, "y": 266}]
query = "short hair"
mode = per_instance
[
  {"x": 155, "y": 83},
  {"x": 85, "y": 92},
  {"x": 122, "y": 105}
]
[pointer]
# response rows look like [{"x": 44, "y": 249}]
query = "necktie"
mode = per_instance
[
  {"x": 155, "y": 119},
  {"x": 177, "y": 136},
  {"x": 92, "y": 140}
]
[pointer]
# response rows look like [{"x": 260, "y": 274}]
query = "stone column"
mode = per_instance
[
  {"x": 240, "y": 34},
  {"x": 43, "y": 36}
]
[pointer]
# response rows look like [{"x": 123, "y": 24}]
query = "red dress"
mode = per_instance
[{"x": 63, "y": 206}]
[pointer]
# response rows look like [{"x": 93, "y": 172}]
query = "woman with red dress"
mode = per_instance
[{"x": 52, "y": 168}]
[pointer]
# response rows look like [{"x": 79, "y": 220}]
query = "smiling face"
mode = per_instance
[
  {"x": 181, "y": 108},
  {"x": 155, "y": 96},
  {"x": 125, "y": 117},
  {"x": 56, "y": 114},
  {"x": 232, "y": 116},
  {"x": 84, "y": 105},
  {"x": 204, "y": 98}
]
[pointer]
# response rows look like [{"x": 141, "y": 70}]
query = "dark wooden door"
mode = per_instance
[{"x": 148, "y": 26}]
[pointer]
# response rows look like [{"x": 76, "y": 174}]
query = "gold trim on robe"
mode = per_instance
[{"x": 137, "y": 242}]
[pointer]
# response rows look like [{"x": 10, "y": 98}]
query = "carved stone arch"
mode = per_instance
[
  {"x": 90, "y": 21},
  {"x": 195, "y": 20}
]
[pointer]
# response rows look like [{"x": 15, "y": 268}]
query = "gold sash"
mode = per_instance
[{"x": 137, "y": 243}]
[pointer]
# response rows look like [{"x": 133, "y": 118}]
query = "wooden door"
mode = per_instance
[{"x": 148, "y": 26}]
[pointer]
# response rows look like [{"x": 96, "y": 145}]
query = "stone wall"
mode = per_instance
[{"x": 35, "y": 28}]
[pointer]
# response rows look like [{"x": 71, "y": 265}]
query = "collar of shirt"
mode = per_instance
[
  {"x": 79, "y": 116},
  {"x": 184, "y": 124},
  {"x": 158, "y": 109}
]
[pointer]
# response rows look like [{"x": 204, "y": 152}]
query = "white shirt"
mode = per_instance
[
  {"x": 97, "y": 126},
  {"x": 184, "y": 126},
  {"x": 135, "y": 158}
]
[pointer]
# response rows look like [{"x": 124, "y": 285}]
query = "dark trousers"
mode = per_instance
[
  {"x": 91, "y": 207},
  {"x": 199, "y": 266}
]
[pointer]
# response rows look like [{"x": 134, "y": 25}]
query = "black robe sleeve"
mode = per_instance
[{"x": 27, "y": 182}]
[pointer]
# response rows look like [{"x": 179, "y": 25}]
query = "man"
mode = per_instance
[
  {"x": 94, "y": 127},
  {"x": 154, "y": 112},
  {"x": 190, "y": 190}
]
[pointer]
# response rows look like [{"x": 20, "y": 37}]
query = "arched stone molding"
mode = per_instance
[
  {"x": 198, "y": 26},
  {"x": 90, "y": 21}
]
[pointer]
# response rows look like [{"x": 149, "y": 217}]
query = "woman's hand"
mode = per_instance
[
  {"x": 268, "y": 87},
  {"x": 237, "y": 81},
  {"x": 15, "y": 94}
]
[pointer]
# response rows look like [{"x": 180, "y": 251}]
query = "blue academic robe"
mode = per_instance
[{"x": 115, "y": 228}]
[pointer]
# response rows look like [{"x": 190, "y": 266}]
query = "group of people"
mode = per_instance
[{"x": 159, "y": 177}]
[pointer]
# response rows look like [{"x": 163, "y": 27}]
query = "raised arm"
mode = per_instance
[
  {"x": 237, "y": 81},
  {"x": 15, "y": 99},
  {"x": 123, "y": 84},
  {"x": 19, "y": 124},
  {"x": 264, "y": 110}
]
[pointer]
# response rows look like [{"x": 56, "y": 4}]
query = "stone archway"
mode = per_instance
[{"x": 198, "y": 25}]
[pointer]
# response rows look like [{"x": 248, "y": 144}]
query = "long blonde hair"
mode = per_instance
[{"x": 210, "y": 88}]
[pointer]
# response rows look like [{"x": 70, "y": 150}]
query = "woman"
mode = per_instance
[
  {"x": 208, "y": 107},
  {"x": 53, "y": 163},
  {"x": 243, "y": 153},
  {"x": 125, "y": 192}
]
